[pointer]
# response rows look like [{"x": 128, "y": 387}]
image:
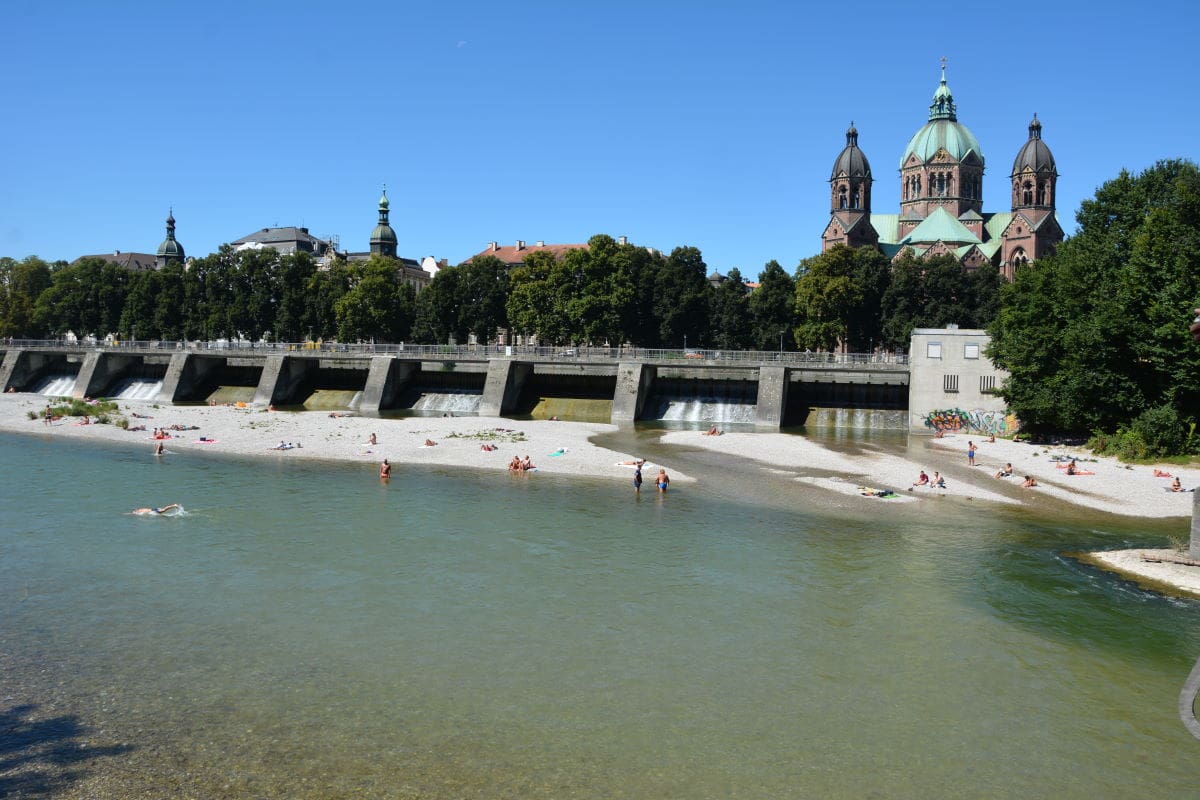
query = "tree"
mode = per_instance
[
  {"x": 1094, "y": 336},
  {"x": 86, "y": 297},
  {"x": 680, "y": 299},
  {"x": 21, "y": 282},
  {"x": 481, "y": 295},
  {"x": 926, "y": 293},
  {"x": 533, "y": 302},
  {"x": 437, "y": 318},
  {"x": 772, "y": 309},
  {"x": 377, "y": 306},
  {"x": 827, "y": 296},
  {"x": 730, "y": 314},
  {"x": 295, "y": 275}
]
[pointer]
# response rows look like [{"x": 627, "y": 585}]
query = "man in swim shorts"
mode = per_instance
[
  {"x": 385, "y": 469},
  {"x": 637, "y": 478},
  {"x": 662, "y": 481}
]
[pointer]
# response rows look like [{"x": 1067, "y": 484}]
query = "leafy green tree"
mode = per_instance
[
  {"x": 827, "y": 296},
  {"x": 377, "y": 306},
  {"x": 730, "y": 314},
  {"x": 437, "y": 318},
  {"x": 927, "y": 293},
  {"x": 21, "y": 282},
  {"x": 325, "y": 288},
  {"x": 137, "y": 316},
  {"x": 295, "y": 273},
  {"x": 772, "y": 309},
  {"x": 681, "y": 299},
  {"x": 1095, "y": 335},
  {"x": 482, "y": 294},
  {"x": 534, "y": 306},
  {"x": 86, "y": 297},
  {"x": 254, "y": 298}
]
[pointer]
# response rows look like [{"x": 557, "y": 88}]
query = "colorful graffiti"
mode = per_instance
[{"x": 978, "y": 421}]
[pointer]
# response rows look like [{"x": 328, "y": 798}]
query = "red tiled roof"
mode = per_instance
[{"x": 517, "y": 255}]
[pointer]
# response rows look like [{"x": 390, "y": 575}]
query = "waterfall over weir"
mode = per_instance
[
  {"x": 56, "y": 386},
  {"x": 448, "y": 402},
  {"x": 707, "y": 411},
  {"x": 703, "y": 401},
  {"x": 136, "y": 389}
]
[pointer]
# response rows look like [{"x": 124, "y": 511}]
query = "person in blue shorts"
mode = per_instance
[
  {"x": 637, "y": 478},
  {"x": 661, "y": 480}
]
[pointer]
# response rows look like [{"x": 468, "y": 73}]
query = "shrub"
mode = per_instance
[{"x": 1162, "y": 431}]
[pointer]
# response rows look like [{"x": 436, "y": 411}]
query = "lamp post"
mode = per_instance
[
  {"x": 685, "y": 345},
  {"x": 781, "y": 332}
]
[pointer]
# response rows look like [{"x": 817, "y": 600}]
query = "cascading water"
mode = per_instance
[
  {"x": 448, "y": 402},
  {"x": 56, "y": 386},
  {"x": 137, "y": 389},
  {"x": 703, "y": 402},
  {"x": 862, "y": 419},
  {"x": 705, "y": 410}
]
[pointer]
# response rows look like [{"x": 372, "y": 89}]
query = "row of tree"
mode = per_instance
[{"x": 605, "y": 293}]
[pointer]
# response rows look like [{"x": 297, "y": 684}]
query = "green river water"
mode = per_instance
[{"x": 304, "y": 631}]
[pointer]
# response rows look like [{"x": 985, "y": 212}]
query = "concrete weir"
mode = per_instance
[{"x": 764, "y": 390}]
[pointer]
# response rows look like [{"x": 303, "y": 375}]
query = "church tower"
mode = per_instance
[
  {"x": 942, "y": 167},
  {"x": 850, "y": 198},
  {"x": 383, "y": 238},
  {"x": 169, "y": 250},
  {"x": 1034, "y": 230}
]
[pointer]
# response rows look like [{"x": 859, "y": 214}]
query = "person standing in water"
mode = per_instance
[
  {"x": 385, "y": 470},
  {"x": 158, "y": 449},
  {"x": 637, "y": 479},
  {"x": 662, "y": 480}
]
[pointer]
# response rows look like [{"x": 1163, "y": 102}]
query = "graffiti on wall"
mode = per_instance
[{"x": 978, "y": 421}]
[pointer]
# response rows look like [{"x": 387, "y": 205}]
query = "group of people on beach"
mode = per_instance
[
  {"x": 661, "y": 480},
  {"x": 519, "y": 464}
]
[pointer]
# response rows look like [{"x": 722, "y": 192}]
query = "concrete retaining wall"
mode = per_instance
[{"x": 633, "y": 387}]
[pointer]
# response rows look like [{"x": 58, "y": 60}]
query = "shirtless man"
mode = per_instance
[
  {"x": 385, "y": 470},
  {"x": 155, "y": 511},
  {"x": 662, "y": 481}
]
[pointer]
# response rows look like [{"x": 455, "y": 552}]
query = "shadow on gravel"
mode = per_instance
[{"x": 42, "y": 757}]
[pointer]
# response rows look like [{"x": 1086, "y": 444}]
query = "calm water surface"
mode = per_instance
[{"x": 307, "y": 632}]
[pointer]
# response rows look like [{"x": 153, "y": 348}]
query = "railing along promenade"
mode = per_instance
[{"x": 475, "y": 352}]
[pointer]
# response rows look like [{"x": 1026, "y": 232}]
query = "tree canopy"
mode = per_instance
[{"x": 1095, "y": 335}]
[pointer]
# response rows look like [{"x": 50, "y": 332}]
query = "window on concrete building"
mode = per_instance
[
  {"x": 970, "y": 351},
  {"x": 935, "y": 350},
  {"x": 950, "y": 384},
  {"x": 987, "y": 384}
]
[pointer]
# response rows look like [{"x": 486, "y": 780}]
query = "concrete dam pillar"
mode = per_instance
[
  {"x": 633, "y": 387},
  {"x": 98, "y": 372},
  {"x": 772, "y": 397},
  {"x": 505, "y": 380},
  {"x": 386, "y": 379},
  {"x": 281, "y": 378}
]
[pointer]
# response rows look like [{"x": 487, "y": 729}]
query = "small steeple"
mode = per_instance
[
  {"x": 169, "y": 250},
  {"x": 943, "y": 106},
  {"x": 383, "y": 238},
  {"x": 852, "y": 135},
  {"x": 1035, "y": 127}
]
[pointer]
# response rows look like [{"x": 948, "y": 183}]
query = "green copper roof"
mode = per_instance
[
  {"x": 957, "y": 140},
  {"x": 383, "y": 233},
  {"x": 943, "y": 130},
  {"x": 887, "y": 226},
  {"x": 939, "y": 226}
]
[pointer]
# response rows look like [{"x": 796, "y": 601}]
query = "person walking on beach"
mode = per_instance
[
  {"x": 637, "y": 479},
  {"x": 970, "y": 454},
  {"x": 48, "y": 414},
  {"x": 662, "y": 481}
]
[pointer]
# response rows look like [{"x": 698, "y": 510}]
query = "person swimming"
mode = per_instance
[{"x": 156, "y": 511}]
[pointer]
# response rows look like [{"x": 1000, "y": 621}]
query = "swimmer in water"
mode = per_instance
[{"x": 156, "y": 511}]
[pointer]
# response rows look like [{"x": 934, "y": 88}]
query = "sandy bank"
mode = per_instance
[
  {"x": 554, "y": 447},
  {"x": 1155, "y": 569}
]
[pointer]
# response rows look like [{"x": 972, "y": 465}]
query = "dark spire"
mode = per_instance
[
  {"x": 943, "y": 106},
  {"x": 1035, "y": 128}
]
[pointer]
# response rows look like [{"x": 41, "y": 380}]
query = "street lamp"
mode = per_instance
[
  {"x": 781, "y": 332},
  {"x": 685, "y": 344}
]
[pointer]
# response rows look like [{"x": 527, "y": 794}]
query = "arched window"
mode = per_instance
[
  {"x": 1027, "y": 194},
  {"x": 1041, "y": 193},
  {"x": 856, "y": 198},
  {"x": 841, "y": 197}
]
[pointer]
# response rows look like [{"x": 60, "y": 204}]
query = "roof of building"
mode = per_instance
[
  {"x": 139, "y": 262},
  {"x": 851, "y": 162},
  {"x": 269, "y": 236},
  {"x": 943, "y": 131},
  {"x": 939, "y": 226},
  {"x": 520, "y": 251},
  {"x": 1035, "y": 155}
]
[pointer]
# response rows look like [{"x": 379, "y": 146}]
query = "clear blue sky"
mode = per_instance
[{"x": 678, "y": 122}]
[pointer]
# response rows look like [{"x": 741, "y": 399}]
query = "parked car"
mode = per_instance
[{"x": 570, "y": 352}]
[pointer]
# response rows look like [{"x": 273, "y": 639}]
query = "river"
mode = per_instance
[{"x": 304, "y": 631}]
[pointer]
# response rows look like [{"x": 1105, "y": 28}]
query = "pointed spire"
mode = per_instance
[
  {"x": 383, "y": 207},
  {"x": 943, "y": 106},
  {"x": 170, "y": 223},
  {"x": 852, "y": 135},
  {"x": 1035, "y": 127}
]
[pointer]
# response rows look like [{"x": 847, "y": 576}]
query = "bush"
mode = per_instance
[{"x": 1162, "y": 431}]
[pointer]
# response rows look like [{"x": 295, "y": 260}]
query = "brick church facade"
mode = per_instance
[{"x": 941, "y": 197}]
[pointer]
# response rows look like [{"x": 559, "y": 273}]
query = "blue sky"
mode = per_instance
[{"x": 699, "y": 123}]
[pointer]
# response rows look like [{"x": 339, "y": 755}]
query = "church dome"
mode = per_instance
[
  {"x": 383, "y": 233},
  {"x": 943, "y": 131},
  {"x": 170, "y": 249},
  {"x": 851, "y": 162},
  {"x": 1035, "y": 156}
]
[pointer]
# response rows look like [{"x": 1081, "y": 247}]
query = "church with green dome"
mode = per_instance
[{"x": 941, "y": 197}]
